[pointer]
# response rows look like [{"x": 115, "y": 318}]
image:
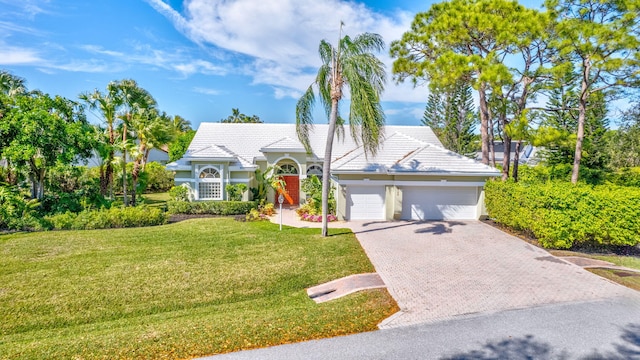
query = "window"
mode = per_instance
[
  {"x": 209, "y": 173},
  {"x": 209, "y": 190},
  {"x": 288, "y": 169},
  {"x": 315, "y": 170},
  {"x": 210, "y": 184}
]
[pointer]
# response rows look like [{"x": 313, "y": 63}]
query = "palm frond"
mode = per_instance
[
  {"x": 304, "y": 117},
  {"x": 323, "y": 81}
]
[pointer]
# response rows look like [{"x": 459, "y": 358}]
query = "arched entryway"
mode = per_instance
[{"x": 289, "y": 173}]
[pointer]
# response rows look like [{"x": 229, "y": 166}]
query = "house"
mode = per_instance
[
  {"x": 411, "y": 177},
  {"x": 528, "y": 153}
]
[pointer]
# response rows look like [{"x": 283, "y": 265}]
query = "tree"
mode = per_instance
[
  {"x": 237, "y": 117},
  {"x": 178, "y": 147},
  {"x": 351, "y": 66},
  {"x": 180, "y": 124},
  {"x": 624, "y": 143},
  {"x": 600, "y": 38},
  {"x": 135, "y": 101},
  {"x": 11, "y": 85},
  {"x": 466, "y": 39},
  {"x": 107, "y": 104},
  {"x": 49, "y": 131},
  {"x": 151, "y": 130},
  {"x": 452, "y": 116}
]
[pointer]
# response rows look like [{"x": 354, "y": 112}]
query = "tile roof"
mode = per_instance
[{"x": 404, "y": 148}]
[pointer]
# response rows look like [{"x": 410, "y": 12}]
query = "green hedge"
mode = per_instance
[
  {"x": 211, "y": 207},
  {"x": 115, "y": 217},
  {"x": 561, "y": 215}
]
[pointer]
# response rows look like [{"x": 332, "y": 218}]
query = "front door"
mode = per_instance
[{"x": 291, "y": 189}]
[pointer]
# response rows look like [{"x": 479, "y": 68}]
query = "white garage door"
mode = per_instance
[
  {"x": 365, "y": 202},
  {"x": 439, "y": 203}
]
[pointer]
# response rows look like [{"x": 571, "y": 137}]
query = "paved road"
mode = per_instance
[
  {"x": 602, "y": 329},
  {"x": 439, "y": 270}
]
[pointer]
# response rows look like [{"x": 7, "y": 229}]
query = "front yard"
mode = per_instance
[{"x": 187, "y": 289}]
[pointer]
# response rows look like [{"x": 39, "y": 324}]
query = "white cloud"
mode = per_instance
[
  {"x": 206, "y": 91},
  {"x": 13, "y": 55},
  {"x": 281, "y": 37}
]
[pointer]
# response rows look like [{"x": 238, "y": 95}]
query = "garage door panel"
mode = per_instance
[
  {"x": 366, "y": 202},
  {"x": 439, "y": 203}
]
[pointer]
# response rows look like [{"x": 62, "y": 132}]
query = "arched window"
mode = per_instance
[
  {"x": 288, "y": 169},
  {"x": 315, "y": 169},
  {"x": 209, "y": 173},
  {"x": 210, "y": 184}
]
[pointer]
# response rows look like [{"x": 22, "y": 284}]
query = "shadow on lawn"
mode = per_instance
[{"x": 529, "y": 348}]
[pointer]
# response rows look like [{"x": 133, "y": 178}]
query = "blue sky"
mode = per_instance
[{"x": 198, "y": 58}]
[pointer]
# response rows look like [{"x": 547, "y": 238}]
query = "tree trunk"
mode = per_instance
[
  {"x": 506, "y": 157},
  {"x": 326, "y": 166},
  {"x": 125, "y": 199},
  {"x": 135, "y": 175},
  {"x": 484, "y": 123},
  {"x": 516, "y": 160},
  {"x": 582, "y": 111}
]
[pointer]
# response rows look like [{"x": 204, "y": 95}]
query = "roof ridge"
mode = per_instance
[{"x": 410, "y": 137}]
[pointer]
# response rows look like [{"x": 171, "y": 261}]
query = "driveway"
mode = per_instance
[{"x": 441, "y": 270}]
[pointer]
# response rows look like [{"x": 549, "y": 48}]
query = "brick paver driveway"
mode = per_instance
[{"x": 438, "y": 270}]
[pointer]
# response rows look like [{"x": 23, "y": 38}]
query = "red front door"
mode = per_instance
[{"x": 292, "y": 189}]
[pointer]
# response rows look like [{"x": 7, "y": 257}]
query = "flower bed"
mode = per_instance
[{"x": 317, "y": 218}]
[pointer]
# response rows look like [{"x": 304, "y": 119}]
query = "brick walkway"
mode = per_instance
[{"x": 439, "y": 270}]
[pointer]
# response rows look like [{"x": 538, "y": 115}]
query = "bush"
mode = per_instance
[
  {"x": 179, "y": 193},
  {"x": 116, "y": 217},
  {"x": 17, "y": 213},
  {"x": 235, "y": 191},
  {"x": 211, "y": 207},
  {"x": 561, "y": 215},
  {"x": 156, "y": 178}
]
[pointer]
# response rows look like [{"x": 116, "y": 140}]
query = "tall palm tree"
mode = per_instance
[
  {"x": 151, "y": 130},
  {"x": 107, "y": 104},
  {"x": 351, "y": 66},
  {"x": 11, "y": 85},
  {"x": 134, "y": 101}
]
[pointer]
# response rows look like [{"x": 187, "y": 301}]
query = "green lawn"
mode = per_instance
[
  {"x": 187, "y": 289},
  {"x": 156, "y": 199}
]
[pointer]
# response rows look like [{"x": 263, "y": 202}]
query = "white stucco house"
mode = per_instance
[{"x": 411, "y": 177}]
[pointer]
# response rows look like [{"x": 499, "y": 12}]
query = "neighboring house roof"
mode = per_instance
[
  {"x": 527, "y": 152},
  {"x": 403, "y": 149}
]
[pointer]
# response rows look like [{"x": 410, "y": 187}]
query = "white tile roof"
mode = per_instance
[{"x": 405, "y": 148}]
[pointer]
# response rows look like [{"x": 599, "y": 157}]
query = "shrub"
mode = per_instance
[
  {"x": 235, "y": 191},
  {"x": 179, "y": 193},
  {"x": 561, "y": 215},
  {"x": 156, "y": 178},
  {"x": 17, "y": 213},
  {"x": 116, "y": 217},
  {"x": 211, "y": 207}
]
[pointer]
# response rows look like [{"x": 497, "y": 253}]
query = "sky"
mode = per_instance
[{"x": 199, "y": 58}]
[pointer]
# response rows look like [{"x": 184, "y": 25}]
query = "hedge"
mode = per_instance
[
  {"x": 116, "y": 217},
  {"x": 211, "y": 207},
  {"x": 561, "y": 215}
]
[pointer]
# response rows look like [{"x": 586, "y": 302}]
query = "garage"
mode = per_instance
[
  {"x": 440, "y": 203},
  {"x": 365, "y": 202}
]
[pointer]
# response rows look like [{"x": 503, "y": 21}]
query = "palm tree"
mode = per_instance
[
  {"x": 107, "y": 104},
  {"x": 11, "y": 85},
  {"x": 352, "y": 66},
  {"x": 151, "y": 130},
  {"x": 134, "y": 101}
]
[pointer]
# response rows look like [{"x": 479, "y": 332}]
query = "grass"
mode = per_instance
[
  {"x": 183, "y": 290},
  {"x": 626, "y": 278},
  {"x": 156, "y": 199}
]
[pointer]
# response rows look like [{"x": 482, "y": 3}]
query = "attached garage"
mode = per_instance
[
  {"x": 366, "y": 202},
  {"x": 440, "y": 202}
]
